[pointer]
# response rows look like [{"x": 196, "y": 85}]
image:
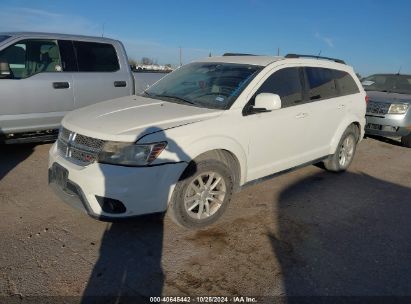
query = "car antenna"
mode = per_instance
[
  {"x": 319, "y": 54},
  {"x": 399, "y": 70}
]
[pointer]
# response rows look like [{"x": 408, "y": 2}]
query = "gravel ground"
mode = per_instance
[{"x": 308, "y": 232}]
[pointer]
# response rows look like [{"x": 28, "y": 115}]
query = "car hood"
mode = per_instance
[
  {"x": 388, "y": 97},
  {"x": 129, "y": 118}
]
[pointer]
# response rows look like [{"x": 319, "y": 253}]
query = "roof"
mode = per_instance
[
  {"x": 252, "y": 60},
  {"x": 57, "y": 36}
]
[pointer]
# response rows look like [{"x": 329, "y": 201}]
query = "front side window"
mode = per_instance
[
  {"x": 388, "y": 83},
  {"x": 321, "y": 84},
  {"x": 29, "y": 57},
  {"x": 96, "y": 57},
  {"x": 209, "y": 85},
  {"x": 287, "y": 84}
]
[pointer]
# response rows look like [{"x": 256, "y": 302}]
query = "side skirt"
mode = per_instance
[{"x": 262, "y": 179}]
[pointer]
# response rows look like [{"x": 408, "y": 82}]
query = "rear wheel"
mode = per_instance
[
  {"x": 343, "y": 156},
  {"x": 406, "y": 141},
  {"x": 202, "y": 194}
]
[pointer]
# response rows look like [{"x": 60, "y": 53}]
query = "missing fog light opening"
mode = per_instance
[{"x": 110, "y": 205}]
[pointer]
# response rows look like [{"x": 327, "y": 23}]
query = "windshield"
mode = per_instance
[
  {"x": 3, "y": 37},
  {"x": 388, "y": 83},
  {"x": 209, "y": 85}
]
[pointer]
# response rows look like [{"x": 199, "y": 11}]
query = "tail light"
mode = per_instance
[{"x": 366, "y": 99}]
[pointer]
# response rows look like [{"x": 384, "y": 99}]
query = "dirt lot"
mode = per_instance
[{"x": 308, "y": 232}]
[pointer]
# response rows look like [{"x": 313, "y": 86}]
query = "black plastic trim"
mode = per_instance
[
  {"x": 315, "y": 57},
  {"x": 262, "y": 179}
]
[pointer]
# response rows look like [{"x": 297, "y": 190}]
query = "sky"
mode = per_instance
[{"x": 374, "y": 36}]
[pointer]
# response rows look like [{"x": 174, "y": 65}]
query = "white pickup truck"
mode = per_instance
[{"x": 43, "y": 76}]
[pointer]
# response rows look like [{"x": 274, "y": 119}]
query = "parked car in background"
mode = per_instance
[
  {"x": 43, "y": 76},
  {"x": 204, "y": 131},
  {"x": 388, "y": 110}
]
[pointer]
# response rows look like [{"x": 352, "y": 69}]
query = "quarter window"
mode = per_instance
[
  {"x": 321, "y": 84},
  {"x": 287, "y": 84},
  {"x": 96, "y": 57},
  {"x": 30, "y": 57},
  {"x": 345, "y": 83}
]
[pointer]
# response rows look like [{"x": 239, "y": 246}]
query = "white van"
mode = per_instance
[{"x": 204, "y": 131}]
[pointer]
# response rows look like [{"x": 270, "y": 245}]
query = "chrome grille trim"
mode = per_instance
[
  {"x": 375, "y": 107},
  {"x": 79, "y": 149}
]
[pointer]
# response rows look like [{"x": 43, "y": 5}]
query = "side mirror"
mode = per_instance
[
  {"x": 4, "y": 70},
  {"x": 267, "y": 102}
]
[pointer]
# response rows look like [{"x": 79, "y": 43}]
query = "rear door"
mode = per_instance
[
  {"x": 101, "y": 75},
  {"x": 38, "y": 92},
  {"x": 326, "y": 107}
]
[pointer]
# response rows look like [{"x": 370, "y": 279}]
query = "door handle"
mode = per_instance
[
  {"x": 301, "y": 115},
  {"x": 120, "y": 84},
  {"x": 61, "y": 85},
  {"x": 341, "y": 106}
]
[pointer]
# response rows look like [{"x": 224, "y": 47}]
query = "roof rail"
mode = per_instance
[
  {"x": 238, "y": 54},
  {"x": 314, "y": 56}
]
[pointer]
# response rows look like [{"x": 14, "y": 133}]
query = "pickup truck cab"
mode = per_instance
[
  {"x": 204, "y": 131},
  {"x": 43, "y": 76}
]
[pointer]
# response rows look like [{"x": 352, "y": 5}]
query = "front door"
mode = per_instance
[
  {"x": 38, "y": 93},
  {"x": 278, "y": 138}
]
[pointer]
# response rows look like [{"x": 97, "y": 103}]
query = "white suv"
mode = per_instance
[{"x": 204, "y": 131}]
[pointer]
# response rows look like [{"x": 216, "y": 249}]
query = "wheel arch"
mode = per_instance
[
  {"x": 225, "y": 150},
  {"x": 341, "y": 129}
]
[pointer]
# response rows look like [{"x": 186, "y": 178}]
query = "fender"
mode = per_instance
[
  {"x": 348, "y": 120},
  {"x": 222, "y": 142}
]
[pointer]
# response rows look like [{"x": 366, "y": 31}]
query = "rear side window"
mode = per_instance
[
  {"x": 96, "y": 57},
  {"x": 346, "y": 83},
  {"x": 321, "y": 84},
  {"x": 287, "y": 84}
]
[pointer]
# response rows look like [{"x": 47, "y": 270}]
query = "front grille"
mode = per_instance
[
  {"x": 79, "y": 149},
  {"x": 380, "y": 108}
]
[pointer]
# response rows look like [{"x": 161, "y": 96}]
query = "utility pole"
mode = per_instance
[{"x": 181, "y": 57}]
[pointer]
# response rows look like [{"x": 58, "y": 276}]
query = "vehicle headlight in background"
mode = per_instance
[
  {"x": 130, "y": 154},
  {"x": 398, "y": 108}
]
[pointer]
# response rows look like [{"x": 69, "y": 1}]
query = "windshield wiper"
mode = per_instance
[{"x": 173, "y": 97}]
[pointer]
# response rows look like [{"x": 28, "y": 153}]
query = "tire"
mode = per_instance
[
  {"x": 406, "y": 141},
  {"x": 342, "y": 158},
  {"x": 186, "y": 194}
]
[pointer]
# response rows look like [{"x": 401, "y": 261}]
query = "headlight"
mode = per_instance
[
  {"x": 129, "y": 154},
  {"x": 398, "y": 108}
]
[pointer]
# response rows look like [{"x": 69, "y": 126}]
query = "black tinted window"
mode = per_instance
[
  {"x": 287, "y": 84},
  {"x": 68, "y": 59},
  {"x": 345, "y": 83},
  {"x": 96, "y": 57},
  {"x": 321, "y": 83}
]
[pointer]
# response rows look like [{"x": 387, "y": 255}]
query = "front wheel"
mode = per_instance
[
  {"x": 344, "y": 155},
  {"x": 202, "y": 194},
  {"x": 406, "y": 141}
]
